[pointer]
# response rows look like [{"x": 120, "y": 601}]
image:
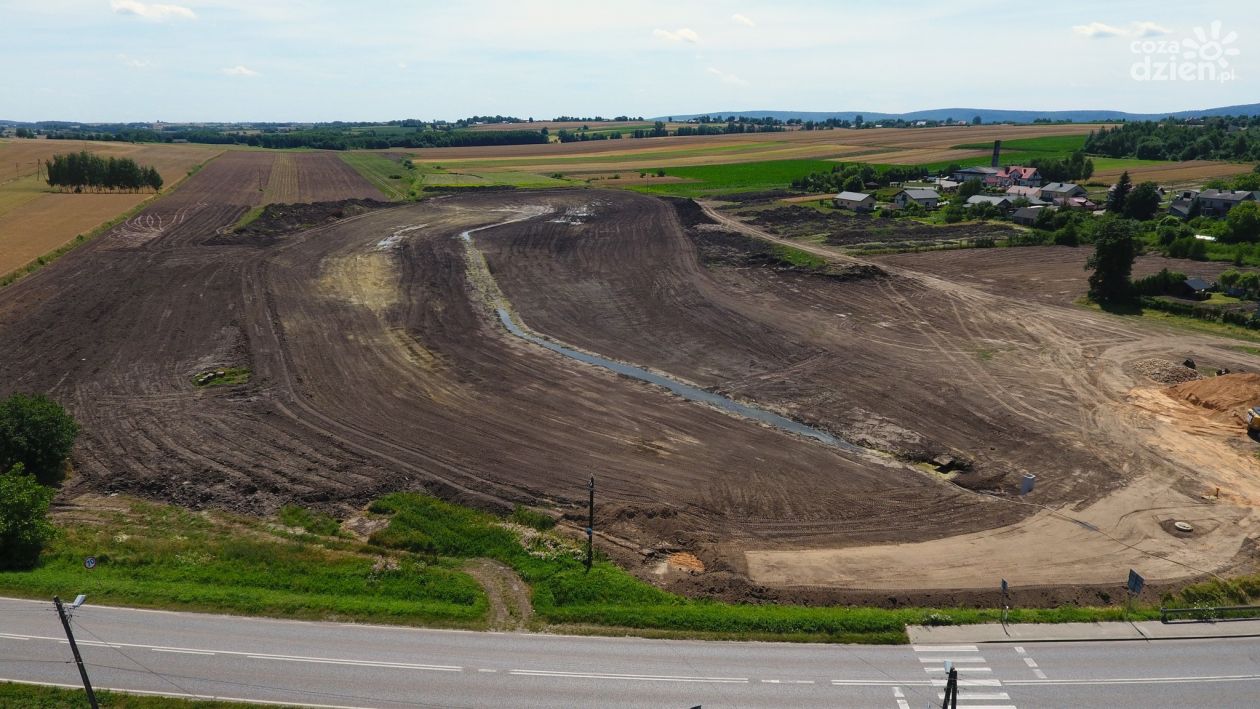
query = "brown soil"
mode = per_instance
[
  {"x": 843, "y": 229},
  {"x": 377, "y": 367},
  {"x": 1230, "y": 393},
  {"x": 511, "y": 606},
  {"x": 1049, "y": 274}
]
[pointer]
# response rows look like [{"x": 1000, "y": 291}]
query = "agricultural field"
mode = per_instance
[{"x": 35, "y": 221}]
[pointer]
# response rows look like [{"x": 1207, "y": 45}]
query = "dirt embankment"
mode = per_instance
[
  {"x": 277, "y": 220},
  {"x": 842, "y": 229},
  {"x": 1228, "y": 394}
]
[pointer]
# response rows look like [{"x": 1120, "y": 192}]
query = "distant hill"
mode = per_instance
[{"x": 988, "y": 115}]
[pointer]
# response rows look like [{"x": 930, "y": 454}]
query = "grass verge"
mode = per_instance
[
  {"x": 167, "y": 557},
  {"x": 32, "y": 696},
  {"x": 391, "y": 177},
  {"x": 609, "y": 599}
]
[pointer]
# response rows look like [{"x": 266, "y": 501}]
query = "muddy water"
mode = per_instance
[{"x": 686, "y": 391}]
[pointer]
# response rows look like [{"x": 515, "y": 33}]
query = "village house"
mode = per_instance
[
  {"x": 928, "y": 199},
  {"x": 1061, "y": 192},
  {"x": 856, "y": 201},
  {"x": 1217, "y": 203},
  {"x": 1002, "y": 203},
  {"x": 1014, "y": 175},
  {"x": 1027, "y": 216}
]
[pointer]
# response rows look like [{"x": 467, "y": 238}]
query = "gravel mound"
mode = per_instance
[{"x": 1165, "y": 372}]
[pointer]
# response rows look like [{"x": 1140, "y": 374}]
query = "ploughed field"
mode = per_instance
[{"x": 377, "y": 363}]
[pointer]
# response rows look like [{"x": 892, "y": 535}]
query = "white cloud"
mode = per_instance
[
  {"x": 682, "y": 35},
  {"x": 726, "y": 78},
  {"x": 133, "y": 62},
  {"x": 1149, "y": 29},
  {"x": 158, "y": 12},
  {"x": 743, "y": 20},
  {"x": 239, "y": 70},
  {"x": 1097, "y": 29},
  {"x": 1144, "y": 28}
]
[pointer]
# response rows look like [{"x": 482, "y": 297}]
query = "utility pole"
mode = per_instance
[
  {"x": 590, "y": 528},
  {"x": 950, "y": 701},
  {"x": 78, "y": 659}
]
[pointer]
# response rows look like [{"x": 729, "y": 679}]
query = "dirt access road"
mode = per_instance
[{"x": 378, "y": 365}]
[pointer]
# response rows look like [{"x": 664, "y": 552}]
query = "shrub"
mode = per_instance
[
  {"x": 37, "y": 433},
  {"x": 24, "y": 527}
]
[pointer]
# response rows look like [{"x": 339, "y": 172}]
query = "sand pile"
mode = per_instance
[{"x": 1229, "y": 392}]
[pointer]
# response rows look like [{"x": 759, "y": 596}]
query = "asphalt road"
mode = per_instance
[{"x": 343, "y": 665}]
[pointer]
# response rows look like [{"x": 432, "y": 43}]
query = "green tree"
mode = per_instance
[
  {"x": 1112, "y": 262},
  {"x": 854, "y": 184},
  {"x": 1143, "y": 202},
  {"x": 38, "y": 434},
  {"x": 1243, "y": 222},
  {"x": 1120, "y": 194},
  {"x": 24, "y": 526},
  {"x": 969, "y": 189}
]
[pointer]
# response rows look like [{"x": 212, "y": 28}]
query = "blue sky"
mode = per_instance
[{"x": 223, "y": 60}]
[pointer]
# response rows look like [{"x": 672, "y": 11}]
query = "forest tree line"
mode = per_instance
[
  {"x": 85, "y": 171},
  {"x": 1220, "y": 138}
]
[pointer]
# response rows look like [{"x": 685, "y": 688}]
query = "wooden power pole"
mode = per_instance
[{"x": 78, "y": 659}]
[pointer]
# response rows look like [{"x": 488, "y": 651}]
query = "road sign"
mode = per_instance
[
  {"x": 89, "y": 563},
  {"x": 1136, "y": 582}
]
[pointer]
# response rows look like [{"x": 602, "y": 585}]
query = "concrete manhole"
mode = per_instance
[{"x": 1183, "y": 526}]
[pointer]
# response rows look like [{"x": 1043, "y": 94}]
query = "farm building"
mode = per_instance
[
  {"x": 1002, "y": 203},
  {"x": 1197, "y": 288},
  {"x": 928, "y": 199},
  {"x": 1027, "y": 216},
  {"x": 973, "y": 173},
  {"x": 1217, "y": 203},
  {"x": 857, "y": 201}
]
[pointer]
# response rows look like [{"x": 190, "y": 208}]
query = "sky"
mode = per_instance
[{"x": 321, "y": 60}]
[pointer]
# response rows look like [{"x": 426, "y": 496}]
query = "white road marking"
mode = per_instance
[
  {"x": 7, "y": 636},
  {"x": 182, "y": 652},
  {"x": 1030, "y": 662},
  {"x": 955, "y": 660},
  {"x": 1039, "y": 674},
  {"x": 960, "y": 669},
  {"x": 977, "y": 695},
  {"x": 945, "y": 648},
  {"x": 1139, "y": 680},
  {"x": 630, "y": 678},
  {"x": 358, "y": 663},
  {"x": 482, "y": 669},
  {"x": 1019, "y": 650},
  {"x": 969, "y": 683}
]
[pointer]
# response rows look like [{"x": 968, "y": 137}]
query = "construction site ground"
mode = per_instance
[{"x": 377, "y": 363}]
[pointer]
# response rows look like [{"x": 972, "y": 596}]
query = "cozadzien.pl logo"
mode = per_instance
[{"x": 1204, "y": 56}]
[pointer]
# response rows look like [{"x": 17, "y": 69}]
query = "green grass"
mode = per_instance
[
  {"x": 249, "y": 217},
  {"x": 735, "y": 177},
  {"x": 231, "y": 376},
  {"x": 30, "y": 696},
  {"x": 391, "y": 177},
  {"x": 314, "y": 522},
  {"x": 799, "y": 258},
  {"x": 1102, "y": 164},
  {"x": 647, "y": 157},
  {"x": 168, "y": 557}
]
